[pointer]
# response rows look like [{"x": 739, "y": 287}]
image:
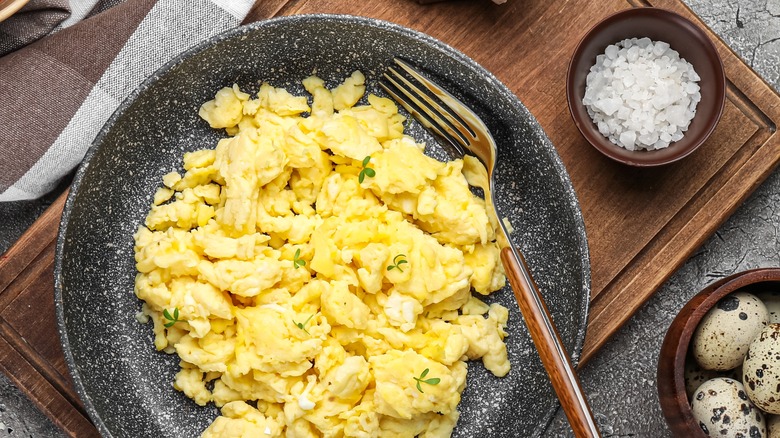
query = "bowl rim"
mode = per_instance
[
  {"x": 670, "y": 377},
  {"x": 602, "y": 144}
]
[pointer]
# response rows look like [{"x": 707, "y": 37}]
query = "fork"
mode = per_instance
[{"x": 449, "y": 118}]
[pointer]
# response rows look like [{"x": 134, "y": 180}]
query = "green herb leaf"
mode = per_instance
[
  {"x": 302, "y": 325},
  {"x": 171, "y": 319},
  {"x": 297, "y": 261},
  {"x": 422, "y": 379},
  {"x": 366, "y": 171},
  {"x": 397, "y": 262}
]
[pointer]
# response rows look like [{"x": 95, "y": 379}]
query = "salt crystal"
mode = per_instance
[
  {"x": 644, "y": 42},
  {"x": 649, "y": 138},
  {"x": 632, "y": 55},
  {"x": 660, "y": 47},
  {"x": 691, "y": 88},
  {"x": 608, "y": 106},
  {"x": 627, "y": 140},
  {"x": 612, "y": 51}
]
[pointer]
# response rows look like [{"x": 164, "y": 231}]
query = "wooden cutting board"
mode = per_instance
[{"x": 641, "y": 224}]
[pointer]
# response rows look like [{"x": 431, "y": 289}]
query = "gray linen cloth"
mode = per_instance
[{"x": 60, "y": 81}]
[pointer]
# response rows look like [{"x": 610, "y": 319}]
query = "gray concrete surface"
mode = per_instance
[{"x": 620, "y": 381}]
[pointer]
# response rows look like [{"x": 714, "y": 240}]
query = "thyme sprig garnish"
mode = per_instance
[
  {"x": 302, "y": 325},
  {"x": 297, "y": 261},
  {"x": 172, "y": 319},
  {"x": 398, "y": 260},
  {"x": 366, "y": 171},
  {"x": 422, "y": 379}
]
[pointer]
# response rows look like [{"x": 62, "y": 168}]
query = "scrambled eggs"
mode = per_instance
[{"x": 314, "y": 271}]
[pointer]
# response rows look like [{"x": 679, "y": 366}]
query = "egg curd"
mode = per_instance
[{"x": 314, "y": 271}]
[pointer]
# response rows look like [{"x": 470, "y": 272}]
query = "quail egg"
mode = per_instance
[
  {"x": 771, "y": 300},
  {"x": 761, "y": 370},
  {"x": 773, "y": 426},
  {"x": 721, "y": 340},
  {"x": 722, "y": 408},
  {"x": 695, "y": 376}
]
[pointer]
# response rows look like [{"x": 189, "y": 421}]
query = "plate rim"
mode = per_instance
[{"x": 457, "y": 55}]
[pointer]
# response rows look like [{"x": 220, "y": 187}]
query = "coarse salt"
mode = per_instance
[{"x": 641, "y": 94}]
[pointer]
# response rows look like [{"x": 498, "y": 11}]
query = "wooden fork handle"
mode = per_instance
[{"x": 548, "y": 342}]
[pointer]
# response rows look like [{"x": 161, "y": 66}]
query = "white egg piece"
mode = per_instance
[
  {"x": 723, "y": 336},
  {"x": 771, "y": 300},
  {"x": 761, "y": 370},
  {"x": 722, "y": 408}
]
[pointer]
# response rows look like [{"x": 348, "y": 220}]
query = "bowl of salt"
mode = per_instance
[{"x": 646, "y": 87}]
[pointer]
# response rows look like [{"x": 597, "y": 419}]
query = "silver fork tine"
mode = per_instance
[
  {"x": 416, "y": 108},
  {"x": 456, "y": 107},
  {"x": 442, "y": 116},
  {"x": 442, "y": 112}
]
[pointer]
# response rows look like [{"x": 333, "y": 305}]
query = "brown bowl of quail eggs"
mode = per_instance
[{"x": 719, "y": 366}]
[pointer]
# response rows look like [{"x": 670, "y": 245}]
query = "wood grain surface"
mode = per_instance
[
  {"x": 641, "y": 224},
  {"x": 10, "y": 7}
]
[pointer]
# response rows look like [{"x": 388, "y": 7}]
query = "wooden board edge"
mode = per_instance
[
  {"x": 602, "y": 325},
  {"x": 264, "y": 9},
  {"x": 40, "y": 364},
  {"x": 33, "y": 375},
  {"x": 31, "y": 243},
  {"x": 45, "y": 396}
]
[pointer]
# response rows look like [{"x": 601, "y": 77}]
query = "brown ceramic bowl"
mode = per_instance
[
  {"x": 674, "y": 350},
  {"x": 684, "y": 37}
]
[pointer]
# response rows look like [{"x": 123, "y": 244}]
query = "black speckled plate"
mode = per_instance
[{"x": 126, "y": 385}]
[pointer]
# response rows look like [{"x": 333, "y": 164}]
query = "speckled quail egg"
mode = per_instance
[
  {"x": 773, "y": 426},
  {"x": 721, "y": 339},
  {"x": 771, "y": 300},
  {"x": 695, "y": 375},
  {"x": 761, "y": 370},
  {"x": 722, "y": 408}
]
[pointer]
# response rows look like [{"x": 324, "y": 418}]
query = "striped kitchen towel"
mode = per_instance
[{"x": 57, "y": 91}]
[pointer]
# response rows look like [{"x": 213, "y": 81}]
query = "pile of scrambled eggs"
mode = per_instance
[{"x": 314, "y": 271}]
